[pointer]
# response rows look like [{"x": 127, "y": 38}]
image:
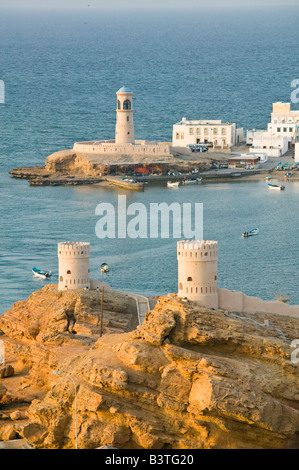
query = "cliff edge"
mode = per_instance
[{"x": 187, "y": 378}]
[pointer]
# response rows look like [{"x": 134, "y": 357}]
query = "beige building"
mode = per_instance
[
  {"x": 197, "y": 281},
  {"x": 284, "y": 121},
  {"x": 124, "y": 129},
  {"x": 73, "y": 259},
  {"x": 197, "y": 271},
  {"x": 124, "y": 143},
  {"x": 214, "y": 133}
]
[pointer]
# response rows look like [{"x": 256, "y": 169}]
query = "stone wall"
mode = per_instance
[{"x": 238, "y": 302}]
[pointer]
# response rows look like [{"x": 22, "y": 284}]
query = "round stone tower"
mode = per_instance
[
  {"x": 73, "y": 260},
  {"x": 124, "y": 129},
  {"x": 197, "y": 272}
]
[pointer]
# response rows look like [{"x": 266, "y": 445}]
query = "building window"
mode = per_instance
[
  {"x": 182, "y": 135},
  {"x": 118, "y": 104},
  {"x": 189, "y": 279},
  {"x": 215, "y": 130},
  {"x": 128, "y": 118},
  {"x": 278, "y": 129},
  {"x": 206, "y": 131},
  {"x": 223, "y": 131},
  {"x": 198, "y": 130},
  {"x": 191, "y": 131},
  {"x": 284, "y": 129},
  {"x": 61, "y": 279},
  {"x": 177, "y": 135},
  {"x": 127, "y": 104},
  {"x": 290, "y": 129},
  {"x": 68, "y": 272},
  {"x": 180, "y": 286}
]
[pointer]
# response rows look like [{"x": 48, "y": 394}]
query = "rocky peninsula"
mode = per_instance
[{"x": 188, "y": 377}]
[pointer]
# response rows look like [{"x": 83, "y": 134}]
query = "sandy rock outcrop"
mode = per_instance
[
  {"x": 35, "y": 329},
  {"x": 189, "y": 377}
]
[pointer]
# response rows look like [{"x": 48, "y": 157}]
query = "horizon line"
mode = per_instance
[{"x": 141, "y": 8}]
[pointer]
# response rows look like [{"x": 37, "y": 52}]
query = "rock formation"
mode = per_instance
[{"x": 187, "y": 378}]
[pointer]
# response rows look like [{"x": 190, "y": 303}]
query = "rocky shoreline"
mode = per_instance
[{"x": 187, "y": 378}]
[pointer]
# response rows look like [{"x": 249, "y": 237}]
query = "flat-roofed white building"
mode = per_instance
[
  {"x": 214, "y": 133},
  {"x": 266, "y": 142},
  {"x": 284, "y": 121},
  {"x": 282, "y": 132}
]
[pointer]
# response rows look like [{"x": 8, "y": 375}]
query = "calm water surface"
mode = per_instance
[{"x": 61, "y": 73}]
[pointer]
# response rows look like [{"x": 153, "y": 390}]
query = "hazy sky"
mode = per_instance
[{"x": 123, "y": 4}]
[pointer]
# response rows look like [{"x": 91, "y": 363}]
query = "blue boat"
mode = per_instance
[
  {"x": 42, "y": 274},
  {"x": 250, "y": 233}
]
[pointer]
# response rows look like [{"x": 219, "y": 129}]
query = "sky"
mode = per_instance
[{"x": 153, "y": 4}]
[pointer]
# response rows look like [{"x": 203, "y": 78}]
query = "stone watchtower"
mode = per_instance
[
  {"x": 73, "y": 260},
  {"x": 124, "y": 129},
  {"x": 197, "y": 272}
]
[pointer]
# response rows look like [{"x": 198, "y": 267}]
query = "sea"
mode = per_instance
[{"x": 61, "y": 70}]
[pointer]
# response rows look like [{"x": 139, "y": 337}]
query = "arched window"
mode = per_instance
[
  {"x": 118, "y": 104},
  {"x": 68, "y": 272},
  {"x": 189, "y": 279},
  {"x": 180, "y": 286},
  {"x": 61, "y": 279},
  {"x": 127, "y": 104}
]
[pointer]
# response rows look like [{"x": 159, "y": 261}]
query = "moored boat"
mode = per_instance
[
  {"x": 278, "y": 187},
  {"x": 192, "y": 181},
  {"x": 173, "y": 184},
  {"x": 250, "y": 233},
  {"x": 104, "y": 268},
  {"x": 42, "y": 274}
]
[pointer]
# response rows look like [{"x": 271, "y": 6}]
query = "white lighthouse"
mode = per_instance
[
  {"x": 124, "y": 129},
  {"x": 73, "y": 260},
  {"x": 197, "y": 272}
]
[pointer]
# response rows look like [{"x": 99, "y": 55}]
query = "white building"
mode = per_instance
[
  {"x": 215, "y": 133},
  {"x": 267, "y": 143},
  {"x": 197, "y": 272},
  {"x": 73, "y": 260},
  {"x": 124, "y": 143},
  {"x": 297, "y": 152},
  {"x": 124, "y": 128},
  {"x": 284, "y": 121},
  {"x": 282, "y": 132}
]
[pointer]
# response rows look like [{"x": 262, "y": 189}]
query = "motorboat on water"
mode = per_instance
[
  {"x": 104, "y": 268},
  {"x": 250, "y": 233},
  {"x": 173, "y": 184},
  {"x": 42, "y": 274},
  {"x": 278, "y": 187},
  {"x": 193, "y": 180}
]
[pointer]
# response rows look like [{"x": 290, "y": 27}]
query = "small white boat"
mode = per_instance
[
  {"x": 42, "y": 274},
  {"x": 192, "y": 181},
  {"x": 104, "y": 268},
  {"x": 250, "y": 233},
  {"x": 278, "y": 187},
  {"x": 173, "y": 184}
]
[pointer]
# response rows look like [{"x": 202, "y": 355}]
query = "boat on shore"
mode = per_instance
[
  {"x": 278, "y": 187},
  {"x": 173, "y": 184},
  {"x": 42, "y": 274},
  {"x": 250, "y": 233}
]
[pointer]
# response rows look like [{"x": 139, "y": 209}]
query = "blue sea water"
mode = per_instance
[{"x": 61, "y": 71}]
